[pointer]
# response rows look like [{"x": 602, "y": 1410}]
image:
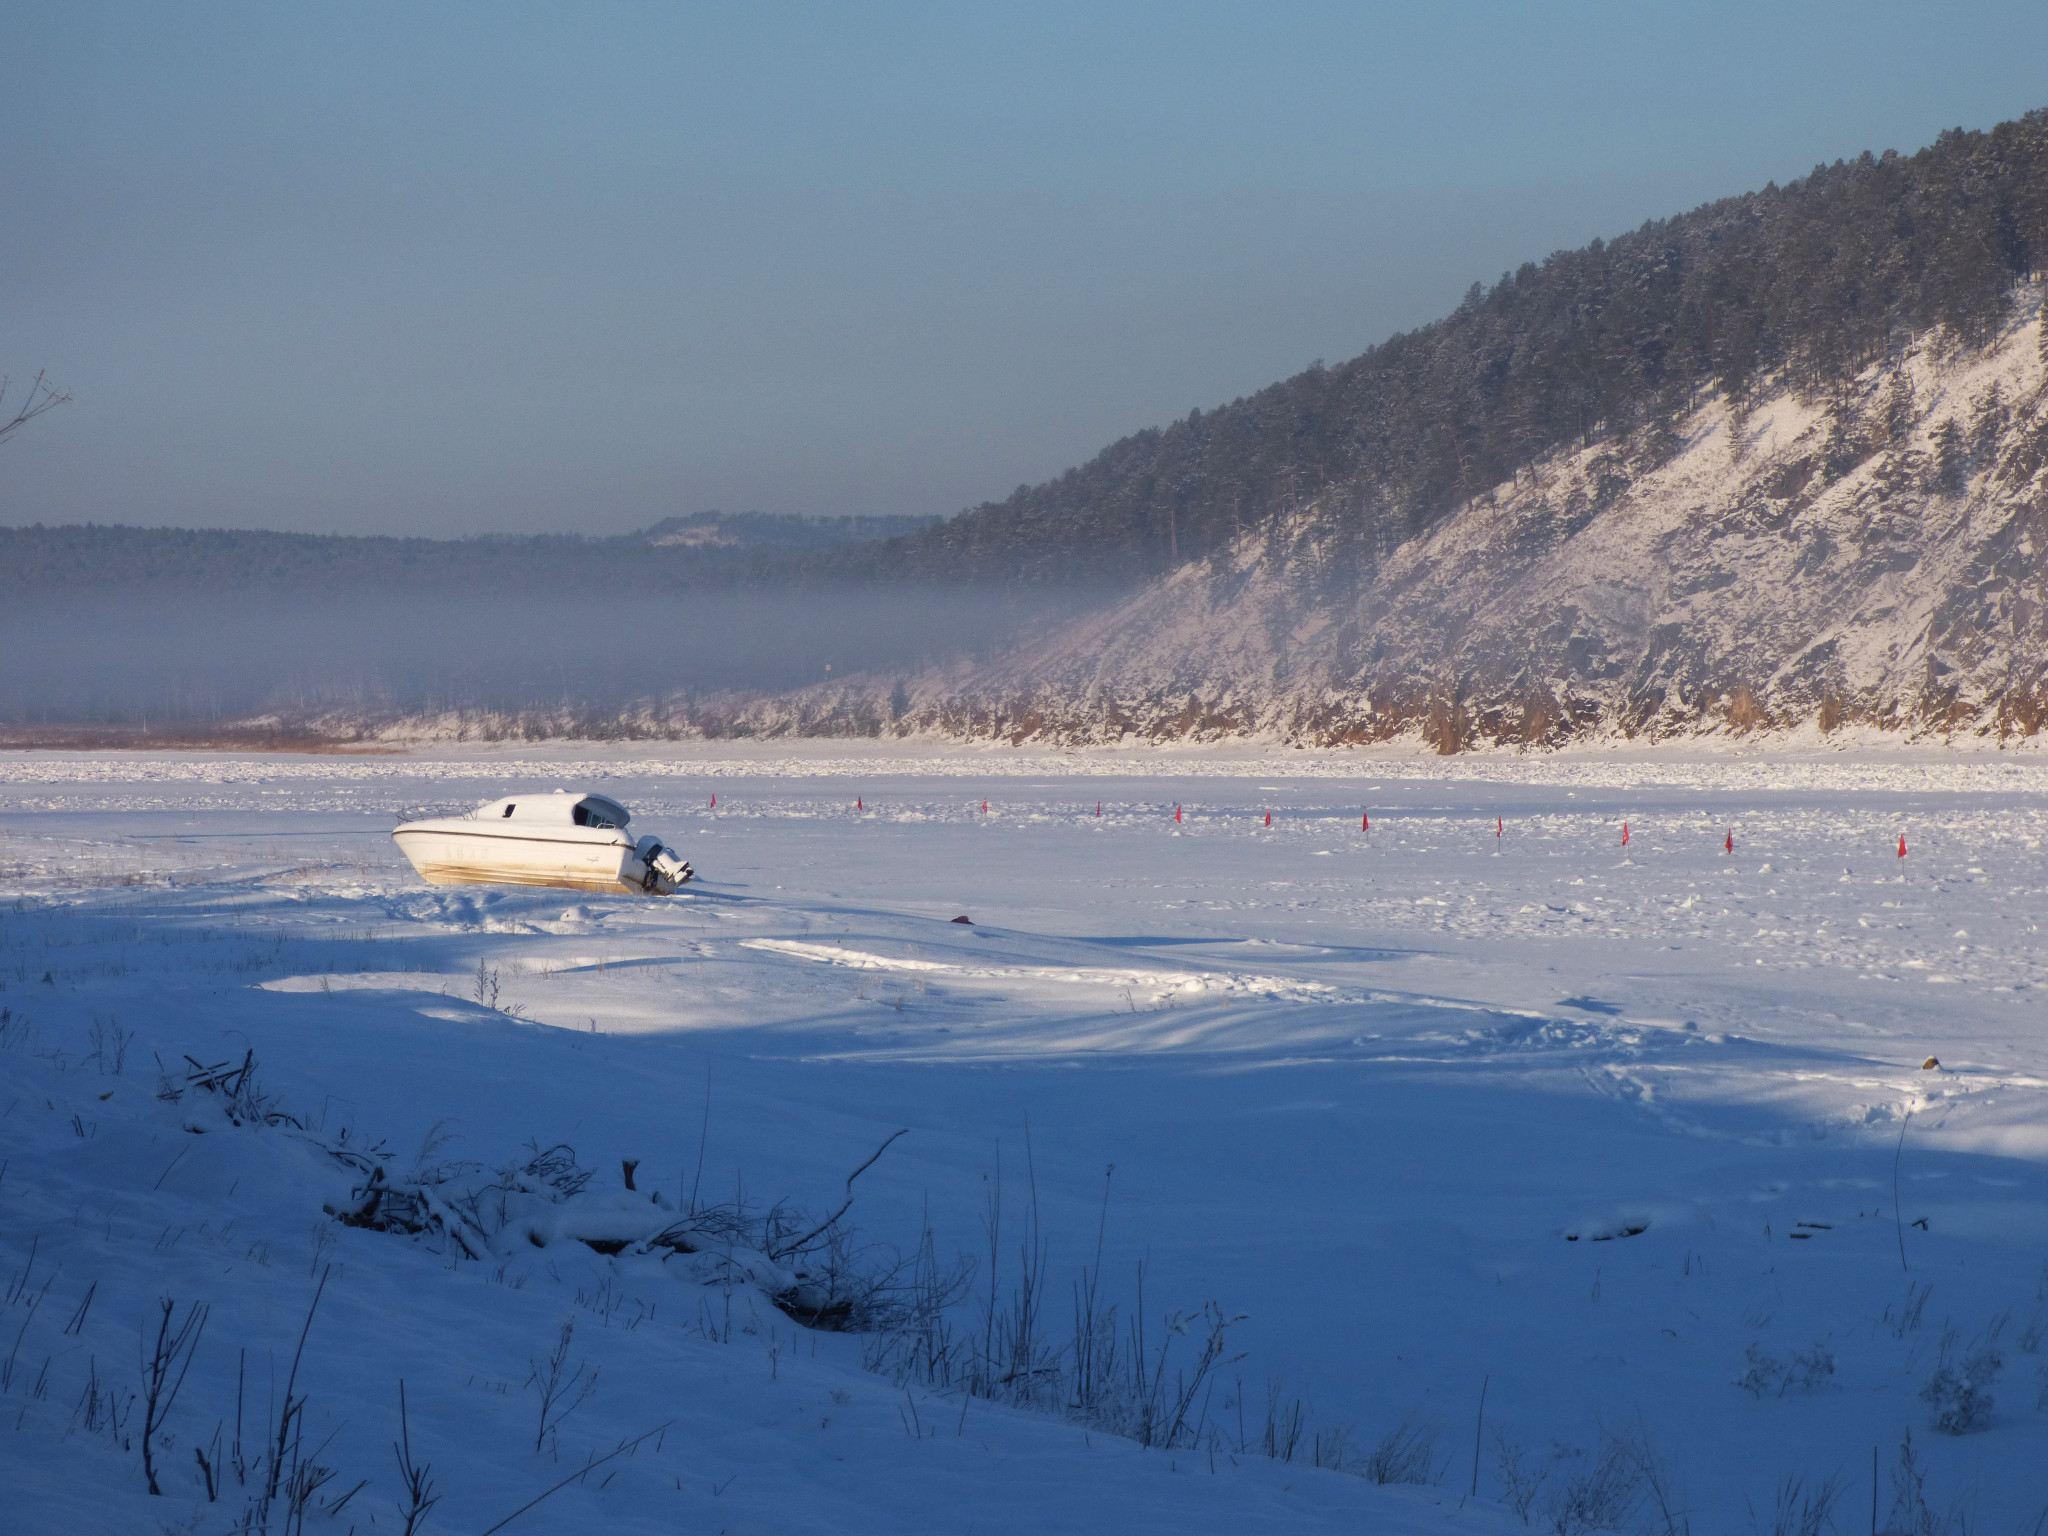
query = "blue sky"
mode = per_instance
[{"x": 457, "y": 268}]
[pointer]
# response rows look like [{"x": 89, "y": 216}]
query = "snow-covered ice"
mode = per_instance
[{"x": 1613, "y": 1131}]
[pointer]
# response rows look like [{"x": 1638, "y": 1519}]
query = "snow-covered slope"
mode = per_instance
[{"x": 1873, "y": 557}]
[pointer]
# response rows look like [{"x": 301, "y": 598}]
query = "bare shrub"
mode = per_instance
[
  {"x": 1664, "y": 1494},
  {"x": 1909, "y": 1315},
  {"x": 165, "y": 1361},
  {"x": 1798, "y": 1510},
  {"x": 1770, "y": 1376},
  {"x": 1406, "y": 1455},
  {"x": 1149, "y": 1381},
  {"x": 1959, "y": 1390},
  {"x": 2030, "y": 1337},
  {"x": 289, "y": 1470},
  {"x": 1332, "y": 1448},
  {"x": 413, "y": 1476},
  {"x": 564, "y": 1385},
  {"x": 110, "y": 1044},
  {"x": 1284, "y": 1426},
  {"x": 1520, "y": 1479},
  {"x": 100, "y": 1410},
  {"x": 1599, "y": 1497},
  {"x": 1911, "y": 1514}
]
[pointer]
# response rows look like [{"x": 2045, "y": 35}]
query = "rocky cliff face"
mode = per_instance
[{"x": 1875, "y": 556}]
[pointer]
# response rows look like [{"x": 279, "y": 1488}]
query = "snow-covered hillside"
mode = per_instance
[
  {"x": 1591, "y": 1184},
  {"x": 1878, "y": 556}
]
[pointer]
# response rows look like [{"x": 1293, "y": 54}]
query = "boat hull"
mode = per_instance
[{"x": 571, "y": 863}]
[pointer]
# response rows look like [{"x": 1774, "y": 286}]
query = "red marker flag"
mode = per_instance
[
  {"x": 1098, "y": 807},
  {"x": 1365, "y": 822},
  {"x": 1496, "y": 826},
  {"x": 1176, "y": 815},
  {"x": 1902, "y": 845},
  {"x": 1269, "y": 818},
  {"x": 984, "y": 807},
  {"x": 857, "y": 805},
  {"x": 714, "y": 802},
  {"x": 1730, "y": 844},
  {"x": 1624, "y": 834}
]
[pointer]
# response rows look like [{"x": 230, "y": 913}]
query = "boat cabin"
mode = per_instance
[{"x": 558, "y": 810}]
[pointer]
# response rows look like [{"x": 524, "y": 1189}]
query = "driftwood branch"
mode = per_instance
[{"x": 786, "y": 1249}]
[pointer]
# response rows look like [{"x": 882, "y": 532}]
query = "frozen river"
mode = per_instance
[{"x": 1479, "y": 1097}]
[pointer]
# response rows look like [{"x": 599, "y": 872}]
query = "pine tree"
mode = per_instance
[{"x": 1951, "y": 458}]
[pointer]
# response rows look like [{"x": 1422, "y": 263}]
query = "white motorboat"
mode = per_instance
[{"x": 577, "y": 841}]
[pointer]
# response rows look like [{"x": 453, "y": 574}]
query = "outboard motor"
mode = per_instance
[{"x": 666, "y": 870}]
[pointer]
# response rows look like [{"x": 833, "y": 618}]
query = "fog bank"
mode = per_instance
[{"x": 125, "y": 659}]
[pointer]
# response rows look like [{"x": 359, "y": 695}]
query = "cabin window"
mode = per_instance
[
  {"x": 581, "y": 816},
  {"x": 510, "y": 809}
]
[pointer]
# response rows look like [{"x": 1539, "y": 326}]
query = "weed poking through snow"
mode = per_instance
[
  {"x": 1769, "y": 1376},
  {"x": 563, "y": 1385},
  {"x": 1959, "y": 1391},
  {"x": 1406, "y": 1455}
]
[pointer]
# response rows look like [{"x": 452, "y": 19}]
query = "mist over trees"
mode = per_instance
[
  {"x": 119, "y": 626},
  {"x": 123, "y": 659}
]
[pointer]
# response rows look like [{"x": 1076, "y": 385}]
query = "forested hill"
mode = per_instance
[
  {"x": 678, "y": 552},
  {"x": 1802, "y": 284}
]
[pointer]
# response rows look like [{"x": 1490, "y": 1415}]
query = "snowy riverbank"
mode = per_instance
[{"x": 1612, "y": 1130}]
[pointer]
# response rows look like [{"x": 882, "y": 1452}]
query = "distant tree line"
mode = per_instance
[
  {"x": 1807, "y": 283},
  {"x": 708, "y": 549}
]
